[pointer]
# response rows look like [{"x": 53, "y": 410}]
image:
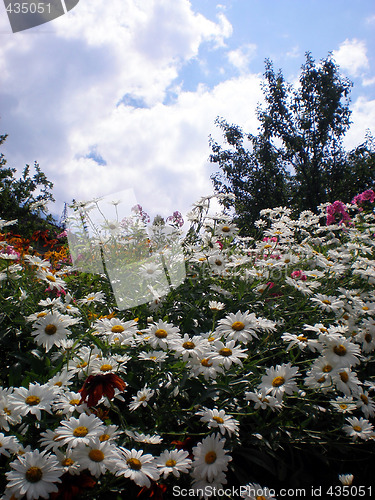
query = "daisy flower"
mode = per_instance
[
  {"x": 228, "y": 353},
  {"x": 8, "y": 444},
  {"x": 280, "y": 380},
  {"x": 173, "y": 462},
  {"x": 32, "y": 400},
  {"x": 116, "y": 330},
  {"x": 65, "y": 459},
  {"x": 97, "y": 456},
  {"x": 34, "y": 475},
  {"x": 343, "y": 351},
  {"x": 210, "y": 457},
  {"x": 190, "y": 347},
  {"x": 69, "y": 402},
  {"x": 8, "y": 415},
  {"x": 344, "y": 405},
  {"x": 226, "y": 230},
  {"x": 98, "y": 297},
  {"x": 358, "y": 428},
  {"x": 155, "y": 356},
  {"x": 205, "y": 488},
  {"x": 328, "y": 303},
  {"x": 161, "y": 334},
  {"x": 74, "y": 431},
  {"x": 366, "y": 404},
  {"x": 240, "y": 326},
  {"x": 215, "y": 306},
  {"x": 218, "y": 263},
  {"x": 346, "y": 479},
  {"x": 347, "y": 382},
  {"x": 51, "y": 329},
  {"x": 52, "y": 278},
  {"x": 218, "y": 418},
  {"x": 138, "y": 467},
  {"x": 301, "y": 341},
  {"x": 204, "y": 365},
  {"x": 142, "y": 397},
  {"x": 263, "y": 400},
  {"x": 144, "y": 438}
]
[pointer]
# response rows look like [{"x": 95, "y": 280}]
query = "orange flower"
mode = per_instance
[{"x": 97, "y": 386}]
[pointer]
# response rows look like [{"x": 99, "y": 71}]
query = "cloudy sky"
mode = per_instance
[{"x": 124, "y": 94}]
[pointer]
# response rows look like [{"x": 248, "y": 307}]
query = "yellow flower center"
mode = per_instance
[
  {"x": 365, "y": 308},
  {"x": 117, "y": 329},
  {"x": 225, "y": 229},
  {"x": 260, "y": 497},
  {"x": 327, "y": 369},
  {"x": 74, "y": 402},
  {"x": 67, "y": 462},
  {"x": 364, "y": 398},
  {"x": 105, "y": 368},
  {"x": 104, "y": 437},
  {"x": 206, "y": 362},
  {"x": 80, "y": 431},
  {"x": 321, "y": 380},
  {"x": 340, "y": 350},
  {"x": 225, "y": 351},
  {"x": 34, "y": 474},
  {"x": 368, "y": 338},
  {"x": 161, "y": 334},
  {"x": 301, "y": 338},
  {"x": 344, "y": 377},
  {"x": 170, "y": 463},
  {"x": 32, "y": 400},
  {"x": 82, "y": 365},
  {"x": 134, "y": 463},
  {"x": 50, "y": 329},
  {"x": 238, "y": 326},
  {"x": 41, "y": 315},
  {"x": 188, "y": 345},
  {"x": 96, "y": 455},
  {"x": 278, "y": 381},
  {"x": 7, "y": 411},
  {"x": 210, "y": 457},
  {"x": 58, "y": 384},
  {"x": 50, "y": 277},
  {"x": 219, "y": 420},
  {"x": 327, "y": 302},
  {"x": 357, "y": 428},
  {"x": 218, "y": 262}
]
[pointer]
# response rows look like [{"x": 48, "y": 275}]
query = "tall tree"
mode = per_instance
[
  {"x": 24, "y": 198},
  {"x": 297, "y": 157}
]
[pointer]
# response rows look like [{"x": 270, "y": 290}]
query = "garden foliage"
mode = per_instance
[{"x": 256, "y": 370}]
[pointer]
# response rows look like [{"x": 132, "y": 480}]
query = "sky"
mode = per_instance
[{"x": 124, "y": 94}]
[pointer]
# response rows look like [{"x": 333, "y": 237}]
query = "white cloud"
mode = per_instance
[
  {"x": 63, "y": 92},
  {"x": 363, "y": 118},
  {"x": 352, "y": 56},
  {"x": 241, "y": 57}
]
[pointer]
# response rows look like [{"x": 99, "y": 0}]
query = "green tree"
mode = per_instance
[
  {"x": 297, "y": 158},
  {"x": 24, "y": 198}
]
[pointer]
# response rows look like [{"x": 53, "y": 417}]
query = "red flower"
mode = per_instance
[
  {"x": 97, "y": 386},
  {"x": 155, "y": 491},
  {"x": 186, "y": 445},
  {"x": 72, "y": 486}
]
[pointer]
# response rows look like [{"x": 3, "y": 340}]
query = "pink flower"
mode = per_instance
[{"x": 337, "y": 214}]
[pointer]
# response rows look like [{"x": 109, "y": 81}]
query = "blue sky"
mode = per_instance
[{"x": 124, "y": 94}]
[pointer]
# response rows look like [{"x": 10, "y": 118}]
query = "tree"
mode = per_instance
[
  {"x": 297, "y": 158},
  {"x": 24, "y": 199}
]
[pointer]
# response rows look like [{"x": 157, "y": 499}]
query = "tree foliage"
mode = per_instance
[
  {"x": 297, "y": 158},
  {"x": 24, "y": 198}
]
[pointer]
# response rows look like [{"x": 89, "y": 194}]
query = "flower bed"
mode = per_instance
[{"x": 256, "y": 371}]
